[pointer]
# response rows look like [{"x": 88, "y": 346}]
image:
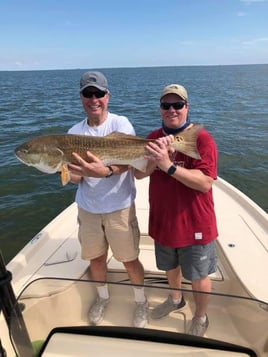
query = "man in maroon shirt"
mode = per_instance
[{"x": 182, "y": 219}]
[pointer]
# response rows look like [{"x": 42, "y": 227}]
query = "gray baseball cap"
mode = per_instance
[{"x": 94, "y": 79}]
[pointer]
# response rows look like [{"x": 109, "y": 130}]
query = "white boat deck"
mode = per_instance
[
  {"x": 243, "y": 228},
  {"x": 243, "y": 237}
]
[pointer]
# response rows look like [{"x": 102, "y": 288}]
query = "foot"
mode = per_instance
[
  {"x": 198, "y": 328},
  {"x": 166, "y": 307},
  {"x": 141, "y": 314},
  {"x": 96, "y": 312}
]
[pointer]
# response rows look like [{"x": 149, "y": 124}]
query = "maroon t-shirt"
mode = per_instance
[{"x": 180, "y": 216}]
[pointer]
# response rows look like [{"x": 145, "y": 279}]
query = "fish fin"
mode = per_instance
[
  {"x": 185, "y": 142},
  {"x": 115, "y": 134},
  {"x": 65, "y": 175},
  {"x": 140, "y": 164},
  {"x": 119, "y": 135}
]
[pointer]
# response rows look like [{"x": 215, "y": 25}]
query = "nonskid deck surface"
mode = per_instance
[
  {"x": 231, "y": 320},
  {"x": 66, "y": 303}
]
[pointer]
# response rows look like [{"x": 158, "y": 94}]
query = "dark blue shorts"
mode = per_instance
[{"x": 196, "y": 261}]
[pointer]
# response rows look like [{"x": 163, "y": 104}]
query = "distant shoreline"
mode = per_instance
[{"x": 139, "y": 67}]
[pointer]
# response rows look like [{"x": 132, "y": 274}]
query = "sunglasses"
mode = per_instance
[
  {"x": 176, "y": 106},
  {"x": 89, "y": 94}
]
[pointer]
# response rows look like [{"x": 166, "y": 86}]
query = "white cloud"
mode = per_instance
[{"x": 255, "y": 40}]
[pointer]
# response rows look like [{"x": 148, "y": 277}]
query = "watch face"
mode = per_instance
[{"x": 171, "y": 170}]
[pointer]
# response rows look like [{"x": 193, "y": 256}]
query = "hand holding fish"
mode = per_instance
[
  {"x": 153, "y": 158},
  {"x": 168, "y": 141},
  {"x": 159, "y": 151},
  {"x": 91, "y": 167}
]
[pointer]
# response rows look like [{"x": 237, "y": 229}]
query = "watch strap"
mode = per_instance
[{"x": 111, "y": 172}]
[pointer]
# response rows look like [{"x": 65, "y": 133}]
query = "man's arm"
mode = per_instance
[{"x": 192, "y": 178}]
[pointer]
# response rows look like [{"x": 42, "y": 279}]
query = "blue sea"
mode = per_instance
[{"x": 231, "y": 101}]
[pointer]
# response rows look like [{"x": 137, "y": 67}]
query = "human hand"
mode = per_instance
[
  {"x": 91, "y": 167},
  {"x": 158, "y": 153},
  {"x": 168, "y": 141}
]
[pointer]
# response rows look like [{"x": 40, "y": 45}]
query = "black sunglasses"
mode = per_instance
[
  {"x": 89, "y": 94},
  {"x": 176, "y": 106}
]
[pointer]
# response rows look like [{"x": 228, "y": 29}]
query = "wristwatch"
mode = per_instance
[
  {"x": 171, "y": 170},
  {"x": 111, "y": 172}
]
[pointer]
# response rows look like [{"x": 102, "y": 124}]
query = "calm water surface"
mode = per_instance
[{"x": 231, "y": 101}]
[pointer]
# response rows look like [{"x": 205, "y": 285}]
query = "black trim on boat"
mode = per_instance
[
  {"x": 132, "y": 333},
  {"x": 11, "y": 311}
]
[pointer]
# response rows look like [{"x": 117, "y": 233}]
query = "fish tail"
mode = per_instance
[{"x": 185, "y": 142}]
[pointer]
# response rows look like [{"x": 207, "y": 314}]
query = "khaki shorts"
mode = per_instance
[{"x": 118, "y": 229}]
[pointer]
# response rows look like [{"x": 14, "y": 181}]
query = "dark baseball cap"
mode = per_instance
[{"x": 94, "y": 79}]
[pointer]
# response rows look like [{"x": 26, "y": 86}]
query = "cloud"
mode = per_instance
[
  {"x": 19, "y": 63},
  {"x": 255, "y": 41}
]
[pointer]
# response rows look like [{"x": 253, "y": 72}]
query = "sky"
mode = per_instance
[{"x": 88, "y": 34}]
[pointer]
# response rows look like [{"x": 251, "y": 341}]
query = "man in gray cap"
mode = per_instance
[
  {"x": 182, "y": 219},
  {"x": 93, "y": 79},
  {"x": 105, "y": 199}
]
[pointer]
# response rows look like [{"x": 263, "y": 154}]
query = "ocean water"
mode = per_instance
[{"x": 231, "y": 101}]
